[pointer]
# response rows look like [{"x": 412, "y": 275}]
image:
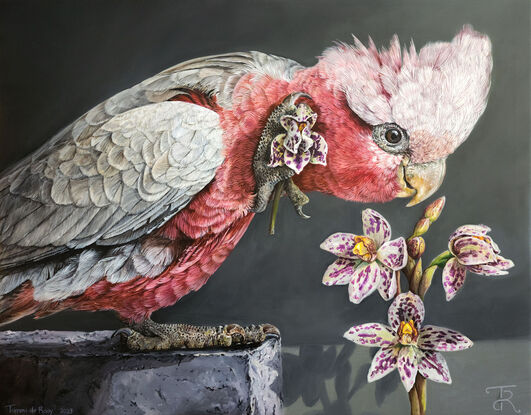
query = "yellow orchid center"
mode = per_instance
[
  {"x": 302, "y": 125},
  {"x": 364, "y": 248},
  {"x": 407, "y": 332}
]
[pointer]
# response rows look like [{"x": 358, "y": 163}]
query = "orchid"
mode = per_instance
[
  {"x": 367, "y": 262},
  {"x": 471, "y": 249},
  {"x": 299, "y": 145},
  {"x": 406, "y": 345}
]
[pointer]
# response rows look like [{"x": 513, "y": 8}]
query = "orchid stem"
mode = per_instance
[
  {"x": 425, "y": 282},
  {"x": 414, "y": 401},
  {"x": 441, "y": 259},
  {"x": 417, "y": 396},
  {"x": 274, "y": 210}
]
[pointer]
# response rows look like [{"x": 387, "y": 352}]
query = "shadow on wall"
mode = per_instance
[{"x": 322, "y": 381}]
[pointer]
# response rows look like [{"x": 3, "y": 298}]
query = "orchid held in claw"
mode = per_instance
[
  {"x": 471, "y": 249},
  {"x": 407, "y": 345},
  {"x": 367, "y": 262},
  {"x": 299, "y": 145}
]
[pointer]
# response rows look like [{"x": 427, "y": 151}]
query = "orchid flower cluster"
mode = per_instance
[
  {"x": 299, "y": 145},
  {"x": 373, "y": 261}
]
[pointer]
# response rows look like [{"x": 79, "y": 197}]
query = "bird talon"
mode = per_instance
[
  {"x": 270, "y": 331},
  {"x": 124, "y": 332},
  {"x": 299, "y": 211},
  {"x": 235, "y": 332},
  {"x": 294, "y": 96}
]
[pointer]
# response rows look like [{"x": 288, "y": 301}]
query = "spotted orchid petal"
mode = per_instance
[
  {"x": 364, "y": 282},
  {"x": 292, "y": 142},
  {"x": 375, "y": 226},
  {"x": 340, "y": 272},
  {"x": 340, "y": 244},
  {"x": 383, "y": 363},
  {"x": 469, "y": 250},
  {"x": 405, "y": 307},
  {"x": 407, "y": 366},
  {"x": 393, "y": 254},
  {"x": 305, "y": 113},
  {"x": 469, "y": 230},
  {"x": 296, "y": 162},
  {"x": 433, "y": 366},
  {"x": 442, "y": 339},
  {"x": 497, "y": 267},
  {"x": 319, "y": 150},
  {"x": 388, "y": 285},
  {"x": 277, "y": 151},
  {"x": 371, "y": 335},
  {"x": 453, "y": 278},
  {"x": 311, "y": 119},
  {"x": 307, "y": 142},
  {"x": 289, "y": 122}
]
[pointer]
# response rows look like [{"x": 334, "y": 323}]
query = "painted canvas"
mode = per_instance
[{"x": 264, "y": 207}]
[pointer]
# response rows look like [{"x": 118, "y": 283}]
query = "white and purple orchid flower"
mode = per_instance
[
  {"x": 407, "y": 345},
  {"x": 367, "y": 262},
  {"x": 299, "y": 145},
  {"x": 472, "y": 250}
]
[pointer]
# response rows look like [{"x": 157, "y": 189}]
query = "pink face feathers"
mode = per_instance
[{"x": 437, "y": 94}]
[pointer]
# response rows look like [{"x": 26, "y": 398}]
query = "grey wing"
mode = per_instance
[
  {"x": 101, "y": 180},
  {"x": 128, "y": 177}
]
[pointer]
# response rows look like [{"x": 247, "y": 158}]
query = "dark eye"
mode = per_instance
[{"x": 393, "y": 136}]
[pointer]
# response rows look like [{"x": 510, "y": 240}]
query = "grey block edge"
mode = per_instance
[{"x": 86, "y": 373}]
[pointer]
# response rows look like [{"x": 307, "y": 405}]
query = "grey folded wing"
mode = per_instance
[
  {"x": 125, "y": 179},
  {"x": 127, "y": 165}
]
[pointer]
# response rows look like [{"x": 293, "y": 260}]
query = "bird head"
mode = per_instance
[{"x": 407, "y": 112}]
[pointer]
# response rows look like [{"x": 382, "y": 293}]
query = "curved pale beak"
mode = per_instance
[{"x": 420, "y": 181}]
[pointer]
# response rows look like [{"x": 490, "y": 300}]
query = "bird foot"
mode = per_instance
[
  {"x": 148, "y": 336},
  {"x": 276, "y": 180}
]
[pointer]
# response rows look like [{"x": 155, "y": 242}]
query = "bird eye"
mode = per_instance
[{"x": 391, "y": 137}]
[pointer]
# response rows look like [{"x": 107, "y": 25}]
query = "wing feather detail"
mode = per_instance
[{"x": 128, "y": 178}]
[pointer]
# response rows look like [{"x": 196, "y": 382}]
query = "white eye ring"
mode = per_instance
[{"x": 391, "y": 137}]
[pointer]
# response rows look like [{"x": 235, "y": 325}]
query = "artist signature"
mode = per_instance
[
  {"x": 504, "y": 396},
  {"x": 37, "y": 410}
]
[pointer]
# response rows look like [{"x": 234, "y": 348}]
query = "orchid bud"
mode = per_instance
[
  {"x": 421, "y": 227},
  {"x": 416, "y": 276},
  {"x": 434, "y": 209},
  {"x": 416, "y": 247}
]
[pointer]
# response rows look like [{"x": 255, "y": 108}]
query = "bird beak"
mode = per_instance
[{"x": 420, "y": 181}]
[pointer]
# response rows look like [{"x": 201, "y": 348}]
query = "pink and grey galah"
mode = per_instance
[{"x": 139, "y": 201}]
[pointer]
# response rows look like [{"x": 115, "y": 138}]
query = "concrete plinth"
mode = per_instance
[{"x": 64, "y": 373}]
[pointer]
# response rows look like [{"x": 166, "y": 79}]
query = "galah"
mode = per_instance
[{"x": 138, "y": 202}]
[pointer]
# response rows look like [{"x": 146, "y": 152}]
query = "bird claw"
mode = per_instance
[
  {"x": 269, "y": 178},
  {"x": 149, "y": 335},
  {"x": 124, "y": 332},
  {"x": 299, "y": 211},
  {"x": 292, "y": 98}
]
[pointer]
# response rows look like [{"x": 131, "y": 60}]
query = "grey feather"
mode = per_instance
[{"x": 116, "y": 174}]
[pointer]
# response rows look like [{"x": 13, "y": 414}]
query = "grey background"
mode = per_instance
[{"x": 60, "y": 58}]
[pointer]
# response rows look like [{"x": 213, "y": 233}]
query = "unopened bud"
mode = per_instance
[
  {"x": 434, "y": 209},
  {"x": 421, "y": 227},
  {"x": 416, "y": 247},
  {"x": 416, "y": 277}
]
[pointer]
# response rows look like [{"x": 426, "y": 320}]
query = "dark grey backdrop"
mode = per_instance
[{"x": 60, "y": 58}]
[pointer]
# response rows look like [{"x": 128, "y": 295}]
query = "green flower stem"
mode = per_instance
[
  {"x": 274, "y": 210},
  {"x": 425, "y": 282},
  {"x": 414, "y": 401},
  {"x": 420, "y": 386},
  {"x": 416, "y": 275},
  {"x": 441, "y": 259}
]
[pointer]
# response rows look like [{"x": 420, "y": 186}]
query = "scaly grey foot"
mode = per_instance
[
  {"x": 267, "y": 178},
  {"x": 150, "y": 335}
]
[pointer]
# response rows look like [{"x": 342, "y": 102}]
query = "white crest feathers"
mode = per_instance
[{"x": 437, "y": 94}]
